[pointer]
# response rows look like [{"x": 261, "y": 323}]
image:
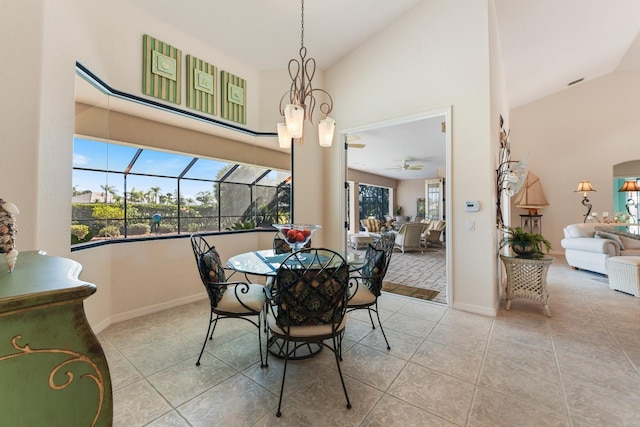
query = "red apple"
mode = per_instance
[
  {"x": 300, "y": 237},
  {"x": 306, "y": 232},
  {"x": 292, "y": 236}
]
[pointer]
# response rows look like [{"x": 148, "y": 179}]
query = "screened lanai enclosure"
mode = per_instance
[{"x": 123, "y": 191}]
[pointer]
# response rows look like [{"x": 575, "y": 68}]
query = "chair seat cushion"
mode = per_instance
[
  {"x": 304, "y": 331},
  {"x": 363, "y": 296},
  {"x": 254, "y": 299}
]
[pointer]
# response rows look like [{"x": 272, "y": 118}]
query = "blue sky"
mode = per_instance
[{"x": 115, "y": 157}]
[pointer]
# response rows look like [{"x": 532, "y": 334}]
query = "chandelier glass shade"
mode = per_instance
[
  {"x": 299, "y": 102},
  {"x": 284, "y": 138}
]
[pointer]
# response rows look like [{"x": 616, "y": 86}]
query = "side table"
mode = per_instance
[{"x": 527, "y": 278}]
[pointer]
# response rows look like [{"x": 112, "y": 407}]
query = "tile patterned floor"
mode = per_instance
[
  {"x": 425, "y": 270},
  {"x": 579, "y": 368}
]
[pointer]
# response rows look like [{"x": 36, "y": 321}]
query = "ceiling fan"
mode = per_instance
[
  {"x": 351, "y": 142},
  {"x": 405, "y": 166}
]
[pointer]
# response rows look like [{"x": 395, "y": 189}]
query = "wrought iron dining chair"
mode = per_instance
[
  {"x": 308, "y": 304},
  {"x": 365, "y": 284},
  {"x": 228, "y": 299}
]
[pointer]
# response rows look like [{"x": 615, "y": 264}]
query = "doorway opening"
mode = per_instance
[{"x": 404, "y": 156}]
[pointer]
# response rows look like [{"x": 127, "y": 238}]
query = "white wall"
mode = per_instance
[
  {"x": 408, "y": 193},
  {"x": 575, "y": 135},
  {"x": 44, "y": 39},
  {"x": 436, "y": 56}
]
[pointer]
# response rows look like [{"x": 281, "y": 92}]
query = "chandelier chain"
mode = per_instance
[
  {"x": 302, "y": 96},
  {"x": 302, "y": 26}
]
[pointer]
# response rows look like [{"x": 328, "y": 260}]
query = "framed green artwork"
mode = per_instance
[
  {"x": 233, "y": 97},
  {"x": 161, "y": 70},
  {"x": 202, "y": 83}
]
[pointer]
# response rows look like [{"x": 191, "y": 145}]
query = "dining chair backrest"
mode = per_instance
[
  {"x": 386, "y": 243},
  {"x": 373, "y": 270},
  {"x": 210, "y": 267},
  {"x": 311, "y": 289}
]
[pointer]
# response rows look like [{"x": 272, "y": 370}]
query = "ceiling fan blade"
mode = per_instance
[
  {"x": 351, "y": 145},
  {"x": 415, "y": 168}
]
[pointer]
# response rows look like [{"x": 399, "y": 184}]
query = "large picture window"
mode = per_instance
[
  {"x": 374, "y": 201},
  {"x": 121, "y": 191}
]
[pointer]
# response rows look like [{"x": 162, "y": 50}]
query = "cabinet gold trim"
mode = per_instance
[{"x": 74, "y": 357}]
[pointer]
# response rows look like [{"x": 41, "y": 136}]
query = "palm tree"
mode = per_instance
[
  {"x": 205, "y": 198},
  {"x": 154, "y": 191},
  {"x": 108, "y": 189},
  {"x": 135, "y": 195},
  {"x": 168, "y": 198}
]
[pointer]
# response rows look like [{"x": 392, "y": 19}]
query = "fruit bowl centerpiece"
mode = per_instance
[{"x": 296, "y": 235}]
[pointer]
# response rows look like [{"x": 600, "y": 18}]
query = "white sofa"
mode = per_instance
[{"x": 586, "y": 249}]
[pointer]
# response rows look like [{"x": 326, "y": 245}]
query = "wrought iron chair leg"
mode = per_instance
[
  {"x": 207, "y": 336},
  {"x": 381, "y": 328},
  {"x": 338, "y": 358},
  {"x": 373, "y": 326},
  {"x": 215, "y": 323},
  {"x": 263, "y": 363},
  {"x": 284, "y": 375}
]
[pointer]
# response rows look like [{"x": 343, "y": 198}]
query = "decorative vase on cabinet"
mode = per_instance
[{"x": 52, "y": 366}]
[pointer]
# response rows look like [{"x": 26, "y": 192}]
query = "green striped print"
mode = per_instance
[
  {"x": 154, "y": 84},
  {"x": 231, "y": 110},
  {"x": 198, "y": 97}
]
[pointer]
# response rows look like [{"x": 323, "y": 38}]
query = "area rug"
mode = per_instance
[{"x": 409, "y": 291}]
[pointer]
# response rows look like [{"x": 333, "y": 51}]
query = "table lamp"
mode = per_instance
[
  {"x": 628, "y": 187},
  {"x": 585, "y": 187}
]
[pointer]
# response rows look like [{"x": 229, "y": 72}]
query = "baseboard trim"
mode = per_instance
[
  {"x": 477, "y": 309},
  {"x": 143, "y": 311}
]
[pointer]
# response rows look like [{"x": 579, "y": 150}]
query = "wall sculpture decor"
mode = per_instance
[
  {"x": 202, "y": 82},
  {"x": 233, "y": 98},
  {"x": 8, "y": 230},
  {"x": 161, "y": 70}
]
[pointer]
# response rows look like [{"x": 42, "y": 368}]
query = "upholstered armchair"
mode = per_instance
[
  {"x": 432, "y": 232},
  {"x": 372, "y": 226},
  {"x": 408, "y": 237}
]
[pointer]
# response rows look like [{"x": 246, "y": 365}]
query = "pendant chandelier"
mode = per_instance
[{"x": 299, "y": 102}]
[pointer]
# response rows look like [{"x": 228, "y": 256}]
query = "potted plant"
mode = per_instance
[
  {"x": 399, "y": 214},
  {"x": 525, "y": 245}
]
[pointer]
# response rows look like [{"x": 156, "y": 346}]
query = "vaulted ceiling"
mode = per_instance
[{"x": 545, "y": 44}]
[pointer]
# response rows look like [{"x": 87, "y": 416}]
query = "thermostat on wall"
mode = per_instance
[{"x": 471, "y": 206}]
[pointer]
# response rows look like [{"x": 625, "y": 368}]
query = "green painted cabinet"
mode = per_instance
[{"x": 53, "y": 371}]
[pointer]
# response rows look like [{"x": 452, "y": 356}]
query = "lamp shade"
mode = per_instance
[
  {"x": 629, "y": 186},
  {"x": 584, "y": 187},
  {"x": 326, "y": 129},
  {"x": 294, "y": 116},
  {"x": 284, "y": 138}
]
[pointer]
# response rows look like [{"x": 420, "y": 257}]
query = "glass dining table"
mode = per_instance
[{"x": 266, "y": 263}]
